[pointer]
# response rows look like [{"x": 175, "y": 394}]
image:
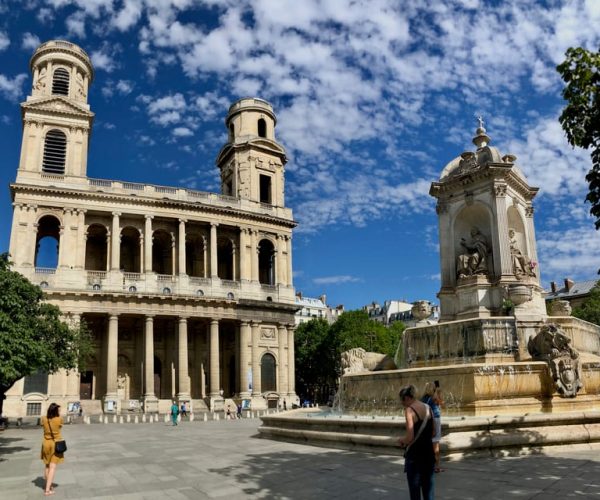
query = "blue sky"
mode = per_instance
[{"x": 373, "y": 99}]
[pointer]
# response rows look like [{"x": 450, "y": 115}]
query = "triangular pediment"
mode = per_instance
[{"x": 57, "y": 105}]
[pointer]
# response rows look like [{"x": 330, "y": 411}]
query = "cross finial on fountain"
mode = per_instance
[
  {"x": 480, "y": 120},
  {"x": 481, "y": 139}
]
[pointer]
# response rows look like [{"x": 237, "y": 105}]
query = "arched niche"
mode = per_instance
[
  {"x": 130, "y": 250},
  {"x": 515, "y": 222},
  {"x": 96, "y": 248},
  {"x": 195, "y": 246},
  {"x": 268, "y": 374},
  {"x": 470, "y": 219},
  {"x": 266, "y": 262}
]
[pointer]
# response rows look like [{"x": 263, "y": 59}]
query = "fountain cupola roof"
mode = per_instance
[{"x": 483, "y": 156}]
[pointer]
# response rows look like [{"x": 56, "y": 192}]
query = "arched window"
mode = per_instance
[
  {"x": 266, "y": 262},
  {"x": 231, "y": 132},
  {"x": 96, "y": 248},
  {"x": 47, "y": 242},
  {"x": 262, "y": 127},
  {"x": 60, "y": 82},
  {"x": 267, "y": 373},
  {"x": 162, "y": 255},
  {"x": 130, "y": 250},
  {"x": 194, "y": 256},
  {"x": 55, "y": 152}
]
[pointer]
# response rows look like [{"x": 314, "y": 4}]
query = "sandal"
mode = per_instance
[{"x": 48, "y": 493}]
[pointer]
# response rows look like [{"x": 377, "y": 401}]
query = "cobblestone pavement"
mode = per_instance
[{"x": 225, "y": 459}]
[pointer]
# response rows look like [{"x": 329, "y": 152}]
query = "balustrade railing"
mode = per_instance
[
  {"x": 165, "y": 278},
  {"x": 45, "y": 270},
  {"x": 230, "y": 283},
  {"x": 132, "y": 276}
]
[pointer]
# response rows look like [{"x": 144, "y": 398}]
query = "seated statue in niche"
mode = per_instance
[
  {"x": 522, "y": 265},
  {"x": 474, "y": 261},
  {"x": 553, "y": 345}
]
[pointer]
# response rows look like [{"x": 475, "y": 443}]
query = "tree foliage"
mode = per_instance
[
  {"x": 319, "y": 346},
  {"x": 590, "y": 309},
  {"x": 33, "y": 337},
  {"x": 581, "y": 117}
]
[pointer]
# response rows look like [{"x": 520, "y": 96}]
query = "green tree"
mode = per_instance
[
  {"x": 33, "y": 337},
  {"x": 315, "y": 359},
  {"x": 355, "y": 329},
  {"x": 581, "y": 117},
  {"x": 590, "y": 309}
]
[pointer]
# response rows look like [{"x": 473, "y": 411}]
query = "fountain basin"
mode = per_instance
[{"x": 462, "y": 436}]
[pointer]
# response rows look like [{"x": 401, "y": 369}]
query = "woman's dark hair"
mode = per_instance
[
  {"x": 408, "y": 391},
  {"x": 52, "y": 410}
]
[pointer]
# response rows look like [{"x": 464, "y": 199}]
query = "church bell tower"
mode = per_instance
[
  {"x": 252, "y": 162},
  {"x": 57, "y": 120}
]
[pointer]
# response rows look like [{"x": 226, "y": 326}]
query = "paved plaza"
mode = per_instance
[{"x": 225, "y": 459}]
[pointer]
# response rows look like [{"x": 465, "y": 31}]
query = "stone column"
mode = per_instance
[
  {"x": 531, "y": 244},
  {"x": 234, "y": 261},
  {"x": 64, "y": 243},
  {"x": 148, "y": 244},
  {"x": 291, "y": 329},
  {"x": 115, "y": 254},
  {"x": 173, "y": 254},
  {"x": 282, "y": 387},
  {"x": 112, "y": 357},
  {"x": 280, "y": 262},
  {"x": 213, "y": 250},
  {"x": 15, "y": 246},
  {"x": 142, "y": 252},
  {"x": 204, "y": 258},
  {"x": 500, "y": 241},
  {"x": 244, "y": 271},
  {"x": 150, "y": 398},
  {"x": 73, "y": 377},
  {"x": 30, "y": 237},
  {"x": 256, "y": 382},
  {"x": 254, "y": 254},
  {"x": 182, "y": 262},
  {"x": 244, "y": 358},
  {"x": 81, "y": 239},
  {"x": 290, "y": 275},
  {"x": 183, "y": 376},
  {"x": 214, "y": 369}
]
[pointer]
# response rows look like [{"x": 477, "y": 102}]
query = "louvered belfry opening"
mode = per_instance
[
  {"x": 55, "y": 152},
  {"x": 60, "y": 82}
]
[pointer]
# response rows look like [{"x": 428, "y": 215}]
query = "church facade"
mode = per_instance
[{"x": 188, "y": 295}]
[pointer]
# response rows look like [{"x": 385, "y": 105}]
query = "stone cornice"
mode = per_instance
[
  {"x": 80, "y": 195},
  {"x": 68, "y": 108},
  {"x": 492, "y": 171},
  {"x": 259, "y": 144}
]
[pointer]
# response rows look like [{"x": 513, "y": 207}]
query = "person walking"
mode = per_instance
[
  {"x": 418, "y": 455},
  {"x": 433, "y": 398},
  {"x": 174, "y": 413},
  {"x": 52, "y": 424},
  {"x": 183, "y": 410}
]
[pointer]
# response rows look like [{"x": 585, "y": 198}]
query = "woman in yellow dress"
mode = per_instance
[{"x": 52, "y": 424}]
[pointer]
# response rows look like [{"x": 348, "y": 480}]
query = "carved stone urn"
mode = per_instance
[
  {"x": 421, "y": 310},
  {"x": 519, "y": 294},
  {"x": 560, "y": 308}
]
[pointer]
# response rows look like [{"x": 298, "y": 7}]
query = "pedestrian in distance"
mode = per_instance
[
  {"x": 418, "y": 450},
  {"x": 52, "y": 424},
  {"x": 228, "y": 416},
  {"x": 433, "y": 398},
  {"x": 174, "y": 413},
  {"x": 239, "y": 411},
  {"x": 183, "y": 410}
]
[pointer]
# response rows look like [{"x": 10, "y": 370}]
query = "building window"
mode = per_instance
[
  {"x": 34, "y": 409},
  {"x": 266, "y": 262},
  {"x": 267, "y": 373},
  {"x": 265, "y": 188},
  {"x": 132, "y": 288},
  {"x": 55, "y": 152},
  {"x": 167, "y": 290},
  {"x": 36, "y": 382},
  {"x": 60, "y": 82},
  {"x": 262, "y": 128},
  {"x": 230, "y": 296}
]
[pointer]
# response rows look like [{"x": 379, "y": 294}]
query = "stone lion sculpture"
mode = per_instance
[
  {"x": 358, "y": 360},
  {"x": 553, "y": 346}
]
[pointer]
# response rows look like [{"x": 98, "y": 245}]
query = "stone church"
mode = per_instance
[{"x": 188, "y": 295}]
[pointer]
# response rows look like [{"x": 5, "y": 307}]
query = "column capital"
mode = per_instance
[
  {"x": 183, "y": 319},
  {"x": 254, "y": 322},
  {"x": 214, "y": 321},
  {"x": 245, "y": 322},
  {"x": 116, "y": 214},
  {"x": 182, "y": 221},
  {"x": 214, "y": 224},
  {"x": 149, "y": 317},
  {"x": 149, "y": 217}
]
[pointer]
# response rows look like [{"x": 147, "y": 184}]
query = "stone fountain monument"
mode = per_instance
[{"x": 496, "y": 354}]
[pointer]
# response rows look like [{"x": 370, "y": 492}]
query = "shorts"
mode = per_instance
[{"x": 437, "y": 425}]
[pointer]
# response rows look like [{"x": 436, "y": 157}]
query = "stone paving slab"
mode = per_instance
[{"x": 226, "y": 459}]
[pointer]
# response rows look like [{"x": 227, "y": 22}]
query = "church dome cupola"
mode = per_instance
[
  {"x": 61, "y": 68},
  {"x": 250, "y": 117}
]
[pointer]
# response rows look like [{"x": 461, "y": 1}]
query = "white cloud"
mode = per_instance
[
  {"x": 30, "y": 41},
  {"x": 4, "y": 41},
  {"x": 76, "y": 25},
  {"x": 182, "y": 132},
  {"x": 335, "y": 280},
  {"x": 128, "y": 15},
  {"x": 124, "y": 87},
  {"x": 104, "y": 58},
  {"x": 12, "y": 89}
]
